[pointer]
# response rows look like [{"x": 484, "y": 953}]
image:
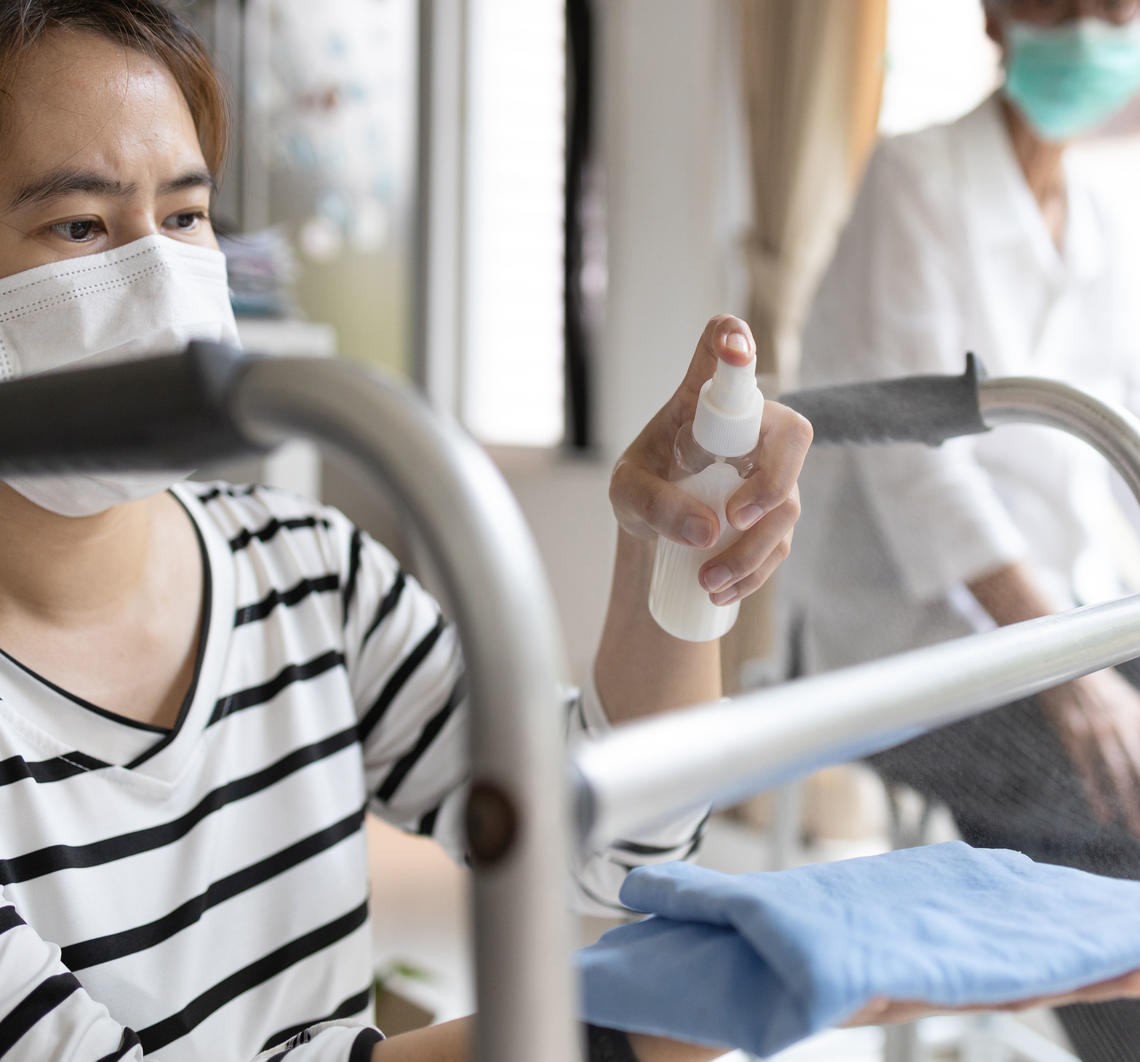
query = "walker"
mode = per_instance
[{"x": 211, "y": 402}]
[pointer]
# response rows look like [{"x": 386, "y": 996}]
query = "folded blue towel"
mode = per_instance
[{"x": 759, "y": 961}]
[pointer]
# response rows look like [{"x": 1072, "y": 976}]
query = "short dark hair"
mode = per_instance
[{"x": 147, "y": 26}]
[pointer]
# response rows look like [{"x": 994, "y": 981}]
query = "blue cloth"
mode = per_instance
[{"x": 759, "y": 961}]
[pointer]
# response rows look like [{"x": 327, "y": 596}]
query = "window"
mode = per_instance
[{"x": 511, "y": 377}]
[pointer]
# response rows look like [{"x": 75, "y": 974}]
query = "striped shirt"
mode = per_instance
[{"x": 202, "y": 892}]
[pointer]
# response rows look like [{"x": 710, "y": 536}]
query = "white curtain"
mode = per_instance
[{"x": 812, "y": 75}]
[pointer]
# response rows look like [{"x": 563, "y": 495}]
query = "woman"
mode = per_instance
[
  {"x": 989, "y": 235},
  {"x": 203, "y": 687}
]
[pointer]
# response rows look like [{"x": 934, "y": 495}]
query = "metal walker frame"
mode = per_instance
[{"x": 211, "y": 402}]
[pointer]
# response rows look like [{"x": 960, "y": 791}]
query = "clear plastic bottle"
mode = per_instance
[{"x": 712, "y": 455}]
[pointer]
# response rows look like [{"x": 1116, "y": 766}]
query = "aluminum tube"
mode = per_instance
[
  {"x": 1113, "y": 431},
  {"x": 720, "y": 752},
  {"x": 506, "y": 621}
]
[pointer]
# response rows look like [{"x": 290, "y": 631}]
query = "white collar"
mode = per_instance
[{"x": 1000, "y": 207}]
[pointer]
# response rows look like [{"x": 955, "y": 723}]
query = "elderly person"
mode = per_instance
[{"x": 987, "y": 234}]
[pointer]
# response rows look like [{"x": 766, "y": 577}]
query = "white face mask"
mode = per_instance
[{"x": 150, "y": 297}]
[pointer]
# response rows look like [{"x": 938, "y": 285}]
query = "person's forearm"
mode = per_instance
[
  {"x": 450, "y": 1042},
  {"x": 1012, "y": 594},
  {"x": 656, "y": 1049},
  {"x": 447, "y": 1042},
  {"x": 1095, "y": 715},
  {"x": 639, "y": 668}
]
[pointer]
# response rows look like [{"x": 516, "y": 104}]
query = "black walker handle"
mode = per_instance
[{"x": 171, "y": 411}]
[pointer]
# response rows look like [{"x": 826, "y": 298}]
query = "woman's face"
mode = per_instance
[{"x": 99, "y": 150}]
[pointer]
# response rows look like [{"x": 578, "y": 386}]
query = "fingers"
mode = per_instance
[
  {"x": 1121, "y": 771},
  {"x": 746, "y": 565},
  {"x": 1085, "y": 760},
  {"x": 1127, "y": 986},
  {"x": 725, "y": 336},
  {"x": 756, "y": 579},
  {"x": 767, "y": 507},
  {"x": 1128, "y": 734},
  {"x": 869, "y": 1014},
  {"x": 895, "y": 1011},
  {"x": 1098, "y": 721},
  {"x": 1074, "y": 730},
  {"x": 785, "y": 437},
  {"x": 647, "y": 505},
  {"x": 1105, "y": 699}
]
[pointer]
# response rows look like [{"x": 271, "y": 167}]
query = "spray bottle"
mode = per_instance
[{"x": 712, "y": 456}]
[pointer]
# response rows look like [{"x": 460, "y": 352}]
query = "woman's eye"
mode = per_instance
[
  {"x": 187, "y": 221},
  {"x": 76, "y": 231}
]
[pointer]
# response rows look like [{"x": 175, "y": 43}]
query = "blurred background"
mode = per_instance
[{"x": 529, "y": 208}]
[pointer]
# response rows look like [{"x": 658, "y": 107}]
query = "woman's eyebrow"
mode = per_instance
[
  {"x": 59, "y": 183},
  {"x": 190, "y": 179}
]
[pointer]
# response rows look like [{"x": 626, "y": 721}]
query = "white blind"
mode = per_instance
[{"x": 512, "y": 372}]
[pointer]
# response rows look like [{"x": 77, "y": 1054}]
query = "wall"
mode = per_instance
[{"x": 674, "y": 195}]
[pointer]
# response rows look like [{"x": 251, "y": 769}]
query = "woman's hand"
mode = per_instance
[
  {"x": 897, "y": 1012},
  {"x": 765, "y": 508},
  {"x": 641, "y": 670},
  {"x": 1096, "y": 717}
]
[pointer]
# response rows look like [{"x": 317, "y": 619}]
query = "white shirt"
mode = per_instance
[
  {"x": 946, "y": 252},
  {"x": 202, "y": 892}
]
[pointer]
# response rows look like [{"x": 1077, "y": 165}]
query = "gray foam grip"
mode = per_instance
[
  {"x": 926, "y": 409},
  {"x": 164, "y": 412}
]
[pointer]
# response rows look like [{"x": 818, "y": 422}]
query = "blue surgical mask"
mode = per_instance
[{"x": 1068, "y": 79}]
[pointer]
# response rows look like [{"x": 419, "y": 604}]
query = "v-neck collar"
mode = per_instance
[
  {"x": 74, "y": 724},
  {"x": 1003, "y": 212}
]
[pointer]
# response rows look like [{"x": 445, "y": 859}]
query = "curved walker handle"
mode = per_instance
[{"x": 927, "y": 409}]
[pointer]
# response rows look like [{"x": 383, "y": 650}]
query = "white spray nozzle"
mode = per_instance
[
  {"x": 729, "y": 410},
  {"x": 733, "y": 389}
]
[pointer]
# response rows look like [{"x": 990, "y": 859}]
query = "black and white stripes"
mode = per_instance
[
  {"x": 213, "y": 896},
  {"x": 202, "y": 893}
]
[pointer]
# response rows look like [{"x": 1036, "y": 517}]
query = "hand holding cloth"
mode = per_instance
[{"x": 759, "y": 961}]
